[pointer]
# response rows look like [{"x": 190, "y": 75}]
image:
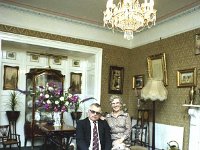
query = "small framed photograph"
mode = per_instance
[
  {"x": 34, "y": 57},
  {"x": 57, "y": 60},
  {"x": 11, "y": 55},
  {"x": 186, "y": 78},
  {"x": 197, "y": 44},
  {"x": 116, "y": 80},
  {"x": 75, "y": 83},
  {"x": 10, "y": 77},
  {"x": 138, "y": 81},
  {"x": 75, "y": 63}
]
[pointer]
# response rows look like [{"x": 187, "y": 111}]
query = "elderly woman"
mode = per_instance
[{"x": 120, "y": 124}]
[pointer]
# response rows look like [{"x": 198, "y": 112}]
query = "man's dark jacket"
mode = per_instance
[{"x": 83, "y": 134}]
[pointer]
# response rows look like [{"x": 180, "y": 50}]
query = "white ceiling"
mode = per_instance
[
  {"x": 91, "y": 11},
  {"x": 85, "y": 19}
]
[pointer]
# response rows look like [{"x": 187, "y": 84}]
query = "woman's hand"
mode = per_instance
[{"x": 118, "y": 141}]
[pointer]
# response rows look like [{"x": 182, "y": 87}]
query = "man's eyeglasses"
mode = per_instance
[{"x": 95, "y": 112}]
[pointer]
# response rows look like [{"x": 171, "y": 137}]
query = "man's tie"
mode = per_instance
[{"x": 95, "y": 138}]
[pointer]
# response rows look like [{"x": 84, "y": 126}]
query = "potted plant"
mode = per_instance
[
  {"x": 74, "y": 103},
  {"x": 12, "y": 103}
]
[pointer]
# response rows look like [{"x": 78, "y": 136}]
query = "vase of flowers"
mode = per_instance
[
  {"x": 74, "y": 103},
  {"x": 54, "y": 99}
]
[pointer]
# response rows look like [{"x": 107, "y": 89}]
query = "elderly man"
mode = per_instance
[{"x": 92, "y": 133}]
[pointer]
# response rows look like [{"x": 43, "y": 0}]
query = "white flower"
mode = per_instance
[
  {"x": 50, "y": 88},
  {"x": 41, "y": 94},
  {"x": 48, "y": 101},
  {"x": 70, "y": 95},
  {"x": 56, "y": 102},
  {"x": 46, "y": 96},
  {"x": 67, "y": 103},
  {"x": 62, "y": 98}
]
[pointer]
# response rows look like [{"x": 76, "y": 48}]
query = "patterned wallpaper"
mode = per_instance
[{"x": 180, "y": 55}]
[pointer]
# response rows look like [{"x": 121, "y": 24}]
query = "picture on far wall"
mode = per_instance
[
  {"x": 10, "y": 77},
  {"x": 197, "y": 44},
  {"x": 75, "y": 83},
  {"x": 75, "y": 63},
  {"x": 116, "y": 80},
  {"x": 34, "y": 57},
  {"x": 157, "y": 68},
  {"x": 186, "y": 78},
  {"x": 57, "y": 60},
  {"x": 138, "y": 81},
  {"x": 11, "y": 55}
]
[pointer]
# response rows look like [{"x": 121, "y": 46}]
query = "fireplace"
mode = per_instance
[{"x": 194, "y": 137}]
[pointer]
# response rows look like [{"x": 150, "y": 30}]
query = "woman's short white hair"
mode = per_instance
[{"x": 112, "y": 97}]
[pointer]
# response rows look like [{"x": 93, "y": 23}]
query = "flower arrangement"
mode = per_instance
[
  {"x": 52, "y": 98},
  {"x": 74, "y": 102}
]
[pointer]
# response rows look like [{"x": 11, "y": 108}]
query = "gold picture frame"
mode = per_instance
[
  {"x": 197, "y": 44},
  {"x": 10, "y": 77},
  {"x": 157, "y": 67},
  {"x": 187, "y": 77},
  {"x": 138, "y": 81}
]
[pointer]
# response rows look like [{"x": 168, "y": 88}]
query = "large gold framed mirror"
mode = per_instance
[{"x": 157, "y": 67}]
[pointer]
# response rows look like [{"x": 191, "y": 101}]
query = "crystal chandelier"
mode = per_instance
[{"x": 129, "y": 16}]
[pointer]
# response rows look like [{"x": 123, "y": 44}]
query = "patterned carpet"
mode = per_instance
[{"x": 49, "y": 147}]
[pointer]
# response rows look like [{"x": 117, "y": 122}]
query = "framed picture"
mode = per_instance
[
  {"x": 10, "y": 77},
  {"x": 57, "y": 60},
  {"x": 116, "y": 80},
  {"x": 75, "y": 63},
  {"x": 34, "y": 57},
  {"x": 75, "y": 83},
  {"x": 157, "y": 67},
  {"x": 197, "y": 44},
  {"x": 11, "y": 55},
  {"x": 138, "y": 81},
  {"x": 186, "y": 78}
]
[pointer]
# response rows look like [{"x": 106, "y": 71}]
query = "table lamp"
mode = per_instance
[{"x": 154, "y": 90}]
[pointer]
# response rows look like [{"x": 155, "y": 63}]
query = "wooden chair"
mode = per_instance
[
  {"x": 141, "y": 128},
  {"x": 9, "y": 136},
  {"x": 4, "y": 130}
]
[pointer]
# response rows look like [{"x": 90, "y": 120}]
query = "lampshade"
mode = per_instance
[{"x": 154, "y": 90}]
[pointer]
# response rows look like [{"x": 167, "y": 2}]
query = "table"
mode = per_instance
[{"x": 59, "y": 135}]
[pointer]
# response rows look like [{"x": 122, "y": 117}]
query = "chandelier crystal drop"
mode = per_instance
[{"x": 129, "y": 16}]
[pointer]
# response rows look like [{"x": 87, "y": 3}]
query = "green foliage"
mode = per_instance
[{"x": 13, "y": 100}]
